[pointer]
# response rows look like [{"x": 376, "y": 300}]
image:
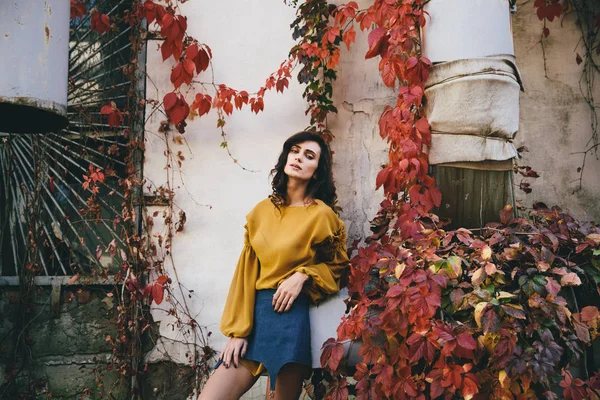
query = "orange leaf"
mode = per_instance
[
  {"x": 202, "y": 104},
  {"x": 281, "y": 83},
  {"x": 158, "y": 292},
  {"x": 388, "y": 75},
  {"x": 349, "y": 37},
  {"x": 506, "y": 214}
]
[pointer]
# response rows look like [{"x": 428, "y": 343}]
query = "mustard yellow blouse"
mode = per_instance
[{"x": 279, "y": 242}]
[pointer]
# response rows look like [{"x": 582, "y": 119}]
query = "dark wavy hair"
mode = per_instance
[{"x": 322, "y": 187}]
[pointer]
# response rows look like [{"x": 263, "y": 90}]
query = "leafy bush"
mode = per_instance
[{"x": 501, "y": 313}]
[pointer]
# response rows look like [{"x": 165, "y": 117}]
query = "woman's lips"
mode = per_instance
[{"x": 296, "y": 167}]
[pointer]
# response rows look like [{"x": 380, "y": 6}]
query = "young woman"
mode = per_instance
[{"x": 294, "y": 254}]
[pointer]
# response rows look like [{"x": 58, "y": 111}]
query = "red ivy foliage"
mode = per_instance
[
  {"x": 99, "y": 22},
  {"x": 456, "y": 314},
  {"x": 191, "y": 59},
  {"x": 548, "y": 9},
  {"x": 115, "y": 116},
  {"x": 78, "y": 9}
]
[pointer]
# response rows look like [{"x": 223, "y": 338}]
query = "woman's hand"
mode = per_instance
[
  {"x": 234, "y": 350},
  {"x": 288, "y": 291}
]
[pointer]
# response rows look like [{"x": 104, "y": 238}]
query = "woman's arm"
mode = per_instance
[{"x": 239, "y": 308}]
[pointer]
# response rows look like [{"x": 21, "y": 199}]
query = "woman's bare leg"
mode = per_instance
[
  {"x": 228, "y": 383},
  {"x": 289, "y": 382}
]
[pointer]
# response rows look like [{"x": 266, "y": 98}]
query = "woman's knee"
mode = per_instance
[{"x": 227, "y": 383}]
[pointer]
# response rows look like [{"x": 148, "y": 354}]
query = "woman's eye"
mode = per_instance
[{"x": 310, "y": 157}]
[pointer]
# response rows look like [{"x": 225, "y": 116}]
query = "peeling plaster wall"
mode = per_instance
[{"x": 555, "y": 121}]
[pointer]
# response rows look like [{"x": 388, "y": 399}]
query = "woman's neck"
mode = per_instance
[{"x": 296, "y": 192}]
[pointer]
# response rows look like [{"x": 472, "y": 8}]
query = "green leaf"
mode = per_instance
[{"x": 540, "y": 280}]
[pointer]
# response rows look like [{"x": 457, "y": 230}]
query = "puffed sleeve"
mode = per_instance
[
  {"x": 239, "y": 308},
  {"x": 331, "y": 261}
]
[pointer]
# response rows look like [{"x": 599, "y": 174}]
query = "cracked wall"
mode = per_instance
[
  {"x": 216, "y": 194},
  {"x": 555, "y": 121}
]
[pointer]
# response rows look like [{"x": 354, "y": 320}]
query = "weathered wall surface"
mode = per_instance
[
  {"x": 248, "y": 40},
  {"x": 555, "y": 121},
  {"x": 216, "y": 194},
  {"x": 65, "y": 349}
]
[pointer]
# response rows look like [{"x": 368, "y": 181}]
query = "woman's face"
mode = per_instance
[{"x": 303, "y": 160}]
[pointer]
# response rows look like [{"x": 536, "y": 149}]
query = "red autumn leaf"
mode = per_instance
[
  {"x": 436, "y": 196},
  {"x": 176, "y": 107},
  {"x": 332, "y": 34},
  {"x": 349, "y": 36},
  {"x": 470, "y": 386},
  {"x": 78, "y": 9},
  {"x": 257, "y": 104},
  {"x": 115, "y": 117},
  {"x": 582, "y": 331},
  {"x": 171, "y": 48},
  {"x": 382, "y": 177},
  {"x": 514, "y": 311},
  {"x": 338, "y": 390},
  {"x": 466, "y": 341},
  {"x": 548, "y": 9},
  {"x": 170, "y": 100},
  {"x": 153, "y": 12},
  {"x": 173, "y": 27},
  {"x": 422, "y": 126},
  {"x": 388, "y": 75},
  {"x": 570, "y": 279},
  {"x": 589, "y": 313},
  {"x": 490, "y": 322},
  {"x": 99, "y": 22},
  {"x": 281, "y": 83},
  {"x": 228, "y": 107},
  {"x": 506, "y": 214},
  {"x": 412, "y": 95},
  {"x": 546, "y": 32},
  {"x": 149, "y": 11},
  {"x": 158, "y": 292},
  {"x": 161, "y": 280},
  {"x": 333, "y": 352},
  {"x": 376, "y": 38},
  {"x": 183, "y": 72},
  {"x": 202, "y": 104},
  {"x": 553, "y": 287},
  {"x": 200, "y": 56}
]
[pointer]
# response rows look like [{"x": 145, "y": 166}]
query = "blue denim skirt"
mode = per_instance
[{"x": 279, "y": 338}]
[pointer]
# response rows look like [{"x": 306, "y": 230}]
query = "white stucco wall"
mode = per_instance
[
  {"x": 555, "y": 121},
  {"x": 249, "y": 39}
]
